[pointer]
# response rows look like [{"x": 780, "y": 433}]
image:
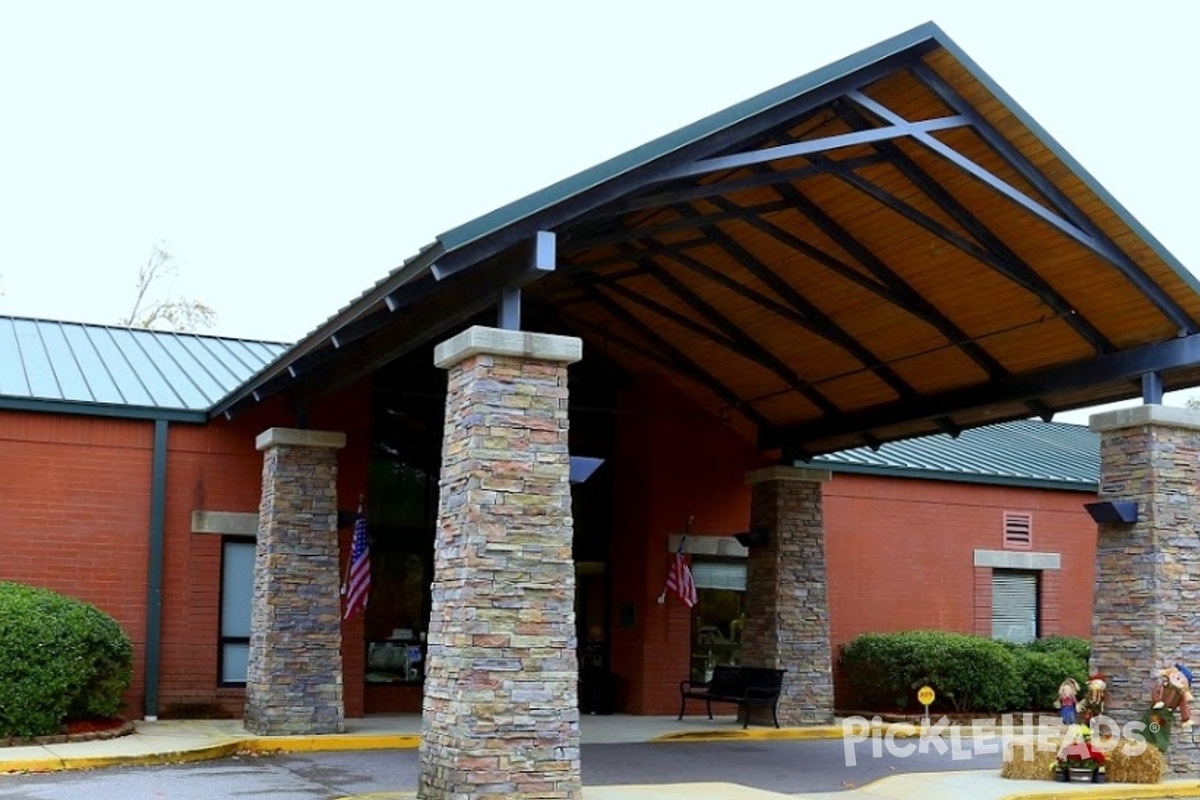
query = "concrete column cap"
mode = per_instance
[
  {"x": 298, "y": 437},
  {"x": 1166, "y": 416},
  {"x": 782, "y": 473},
  {"x": 518, "y": 344}
]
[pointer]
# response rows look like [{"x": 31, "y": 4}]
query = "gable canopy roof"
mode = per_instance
[
  {"x": 884, "y": 248},
  {"x": 126, "y": 372}
]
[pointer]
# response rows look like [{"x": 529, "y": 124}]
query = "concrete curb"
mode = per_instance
[
  {"x": 1120, "y": 791},
  {"x": 253, "y": 744},
  {"x": 761, "y": 734}
]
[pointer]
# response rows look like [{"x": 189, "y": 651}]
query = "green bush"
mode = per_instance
[
  {"x": 1078, "y": 649},
  {"x": 1042, "y": 671},
  {"x": 969, "y": 673},
  {"x": 59, "y": 658}
]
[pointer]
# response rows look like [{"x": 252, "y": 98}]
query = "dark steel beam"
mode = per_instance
[
  {"x": 818, "y": 321},
  {"x": 997, "y": 142},
  {"x": 1065, "y": 217},
  {"x": 508, "y": 313},
  {"x": 716, "y": 276},
  {"x": 897, "y": 290},
  {"x": 628, "y": 234},
  {"x": 1152, "y": 388},
  {"x": 643, "y": 175},
  {"x": 729, "y": 186},
  {"x": 752, "y": 349},
  {"x": 1124, "y": 365},
  {"x": 1023, "y": 277},
  {"x": 982, "y": 174},
  {"x": 1015, "y": 159},
  {"x": 682, "y": 363},
  {"x": 1041, "y": 409},
  {"x": 957, "y": 211},
  {"x": 810, "y": 146}
]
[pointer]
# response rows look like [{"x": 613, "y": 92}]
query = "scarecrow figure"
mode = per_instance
[
  {"x": 1067, "y": 692},
  {"x": 1174, "y": 690},
  {"x": 1092, "y": 703}
]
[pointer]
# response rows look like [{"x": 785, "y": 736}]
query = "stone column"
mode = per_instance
[
  {"x": 501, "y": 712},
  {"x": 294, "y": 681},
  {"x": 787, "y": 620},
  {"x": 1147, "y": 598}
]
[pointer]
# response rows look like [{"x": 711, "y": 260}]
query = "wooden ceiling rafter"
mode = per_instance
[
  {"x": 985, "y": 242},
  {"x": 738, "y": 341},
  {"x": 821, "y": 323},
  {"x": 1073, "y": 223},
  {"x": 680, "y": 363}
]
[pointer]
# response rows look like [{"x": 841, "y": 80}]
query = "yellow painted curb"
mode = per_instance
[
  {"x": 330, "y": 742},
  {"x": 1120, "y": 791},
  {"x": 95, "y": 762},
  {"x": 259, "y": 744},
  {"x": 750, "y": 733}
]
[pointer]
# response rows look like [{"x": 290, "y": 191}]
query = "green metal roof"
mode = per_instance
[
  {"x": 47, "y": 365},
  {"x": 1043, "y": 455}
]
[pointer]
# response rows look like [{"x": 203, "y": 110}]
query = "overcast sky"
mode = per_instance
[{"x": 290, "y": 154}]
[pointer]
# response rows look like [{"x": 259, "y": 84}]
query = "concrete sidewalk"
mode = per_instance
[{"x": 177, "y": 741}]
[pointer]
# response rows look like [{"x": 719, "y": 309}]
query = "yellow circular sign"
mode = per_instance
[{"x": 925, "y": 695}]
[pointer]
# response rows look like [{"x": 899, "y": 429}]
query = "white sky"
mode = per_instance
[{"x": 290, "y": 154}]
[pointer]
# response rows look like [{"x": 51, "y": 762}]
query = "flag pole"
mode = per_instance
[
  {"x": 687, "y": 528},
  {"x": 346, "y": 572}
]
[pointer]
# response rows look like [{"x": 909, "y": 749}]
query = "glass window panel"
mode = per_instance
[
  {"x": 235, "y": 660},
  {"x": 720, "y": 575},
  {"x": 237, "y": 588}
]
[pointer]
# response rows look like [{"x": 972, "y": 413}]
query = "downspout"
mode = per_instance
[{"x": 158, "y": 507}]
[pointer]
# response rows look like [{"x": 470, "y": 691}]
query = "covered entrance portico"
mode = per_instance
[{"x": 886, "y": 248}]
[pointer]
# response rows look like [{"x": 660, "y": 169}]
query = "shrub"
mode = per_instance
[
  {"x": 59, "y": 658},
  {"x": 1042, "y": 672},
  {"x": 1079, "y": 649},
  {"x": 969, "y": 673}
]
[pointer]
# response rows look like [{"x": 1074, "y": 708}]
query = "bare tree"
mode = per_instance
[{"x": 173, "y": 313}]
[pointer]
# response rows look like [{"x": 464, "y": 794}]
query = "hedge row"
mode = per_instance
[
  {"x": 968, "y": 673},
  {"x": 59, "y": 658}
]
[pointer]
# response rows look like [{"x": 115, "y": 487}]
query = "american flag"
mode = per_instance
[
  {"x": 358, "y": 577},
  {"x": 679, "y": 578}
]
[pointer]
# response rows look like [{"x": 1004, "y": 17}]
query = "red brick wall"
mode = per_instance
[
  {"x": 900, "y": 551},
  {"x": 901, "y": 555},
  {"x": 671, "y": 462},
  {"x": 75, "y": 511},
  {"x": 75, "y": 518}
]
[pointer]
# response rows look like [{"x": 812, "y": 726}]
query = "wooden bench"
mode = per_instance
[{"x": 748, "y": 687}]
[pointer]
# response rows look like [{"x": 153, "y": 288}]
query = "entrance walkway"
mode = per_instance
[{"x": 167, "y": 742}]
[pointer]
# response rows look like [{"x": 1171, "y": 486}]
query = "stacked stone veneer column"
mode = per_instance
[
  {"x": 787, "y": 620},
  {"x": 501, "y": 714},
  {"x": 294, "y": 680},
  {"x": 1147, "y": 599}
]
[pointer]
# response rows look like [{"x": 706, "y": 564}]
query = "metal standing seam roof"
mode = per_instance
[
  {"x": 117, "y": 371},
  {"x": 1023, "y": 453}
]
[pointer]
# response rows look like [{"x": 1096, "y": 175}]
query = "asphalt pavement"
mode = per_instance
[{"x": 787, "y": 767}]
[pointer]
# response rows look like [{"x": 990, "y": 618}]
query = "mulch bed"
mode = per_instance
[{"x": 78, "y": 730}]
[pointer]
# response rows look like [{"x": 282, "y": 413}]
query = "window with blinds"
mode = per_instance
[
  {"x": 1018, "y": 530},
  {"x": 1014, "y": 606},
  {"x": 720, "y": 575}
]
